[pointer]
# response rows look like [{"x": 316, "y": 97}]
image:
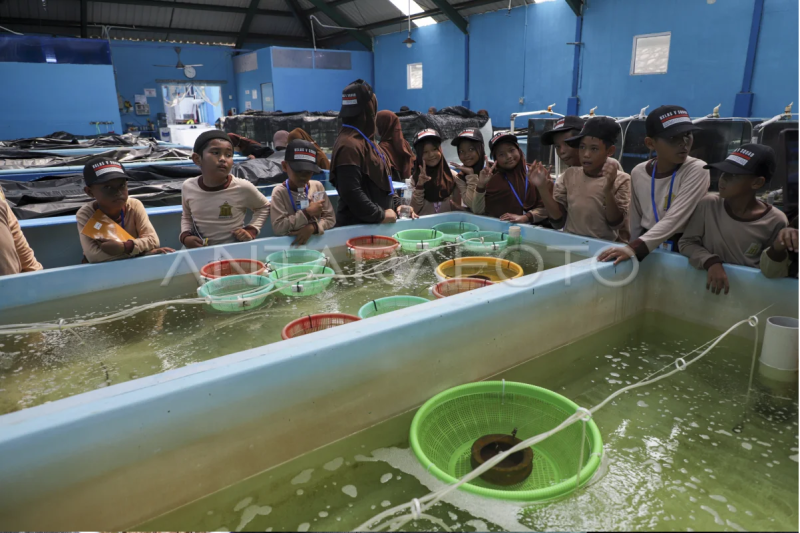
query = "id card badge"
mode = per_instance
[
  {"x": 303, "y": 203},
  {"x": 666, "y": 246}
]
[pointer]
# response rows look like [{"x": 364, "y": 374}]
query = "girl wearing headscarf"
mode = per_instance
[
  {"x": 394, "y": 145},
  {"x": 435, "y": 189},
  {"x": 301, "y": 134},
  {"x": 504, "y": 190},
  {"x": 360, "y": 170},
  {"x": 472, "y": 154}
]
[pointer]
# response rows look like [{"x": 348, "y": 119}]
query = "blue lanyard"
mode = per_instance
[
  {"x": 122, "y": 218},
  {"x": 383, "y": 158},
  {"x": 291, "y": 201},
  {"x": 522, "y": 205},
  {"x": 653, "y": 191}
]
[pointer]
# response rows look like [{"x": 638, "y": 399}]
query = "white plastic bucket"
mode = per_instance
[{"x": 779, "y": 351}]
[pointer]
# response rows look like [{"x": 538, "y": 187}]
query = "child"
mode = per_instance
[
  {"x": 564, "y": 129},
  {"x": 780, "y": 259},
  {"x": 398, "y": 153},
  {"x": 664, "y": 190},
  {"x": 301, "y": 134},
  {"x": 733, "y": 227},
  {"x": 472, "y": 154},
  {"x": 214, "y": 203},
  {"x": 15, "y": 254},
  {"x": 294, "y": 210},
  {"x": 503, "y": 189},
  {"x": 591, "y": 199},
  {"x": 107, "y": 183},
  {"x": 435, "y": 188}
]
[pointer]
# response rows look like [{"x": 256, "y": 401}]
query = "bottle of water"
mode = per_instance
[
  {"x": 404, "y": 211},
  {"x": 302, "y": 199}
]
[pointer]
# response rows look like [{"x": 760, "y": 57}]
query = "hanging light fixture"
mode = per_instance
[{"x": 409, "y": 41}]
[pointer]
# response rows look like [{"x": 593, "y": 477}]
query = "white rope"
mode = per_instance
[{"x": 580, "y": 414}]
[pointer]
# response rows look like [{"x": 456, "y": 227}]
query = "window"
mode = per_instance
[
  {"x": 650, "y": 54},
  {"x": 332, "y": 60},
  {"x": 414, "y": 76},
  {"x": 292, "y": 58}
]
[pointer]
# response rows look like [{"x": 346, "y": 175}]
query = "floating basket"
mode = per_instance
[
  {"x": 486, "y": 268},
  {"x": 451, "y": 287},
  {"x": 417, "y": 240},
  {"x": 372, "y": 247},
  {"x": 452, "y": 230},
  {"x": 389, "y": 304},
  {"x": 236, "y": 293},
  {"x": 483, "y": 241},
  {"x": 445, "y": 428},
  {"x": 287, "y": 258},
  {"x": 302, "y": 280},
  {"x": 311, "y": 323},
  {"x": 231, "y": 267}
]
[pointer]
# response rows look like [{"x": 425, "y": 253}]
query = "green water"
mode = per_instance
[
  {"x": 38, "y": 368},
  {"x": 673, "y": 460}
]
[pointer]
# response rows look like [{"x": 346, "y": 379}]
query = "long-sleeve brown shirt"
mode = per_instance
[{"x": 286, "y": 219}]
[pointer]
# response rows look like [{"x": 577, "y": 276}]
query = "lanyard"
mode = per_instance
[
  {"x": 521, "y": 204},
  {"x": 291, "y": 201},
  {"x": 122, "y": 218},
  {"x": 653, "y": 191},
  {"x": 383, "y": 158}
]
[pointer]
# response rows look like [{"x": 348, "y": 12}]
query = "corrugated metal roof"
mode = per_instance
[{"x": 359, "y": 12}]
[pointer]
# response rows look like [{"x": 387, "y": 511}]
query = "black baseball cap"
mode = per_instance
[
  {"x": 355, "y": 98},
  {"x": 302, "y": 156},
  {"x": 502, "y": 136},
  {"x": 669, "y": 121},
  {"x": 206, "y": 137},
  {"x": 427, "y": 134},
  {"x": 605, "y": 128},
  {"x": 750, "y": 159},
  {"x": 101, "y": 170},
  {"x": 570, "y": 122},
  {"x": 473, "y": 134}
]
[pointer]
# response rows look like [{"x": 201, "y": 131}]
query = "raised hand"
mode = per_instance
[
  {"x": 538, "y": 174},
  {"x": 486, "y": 173},
  {"x": 610, "y": 174},
  {"x": 467, "y": 171},
  {"x": 423, "y": 177}
]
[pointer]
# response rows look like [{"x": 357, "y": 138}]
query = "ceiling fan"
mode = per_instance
[{"x": 188, "y": 70}]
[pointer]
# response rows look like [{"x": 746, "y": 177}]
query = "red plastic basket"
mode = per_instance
[
  {"x": 372, "y": 246},
  {"x": 232, "y": 267},
  {"x": 311, "y": 323},
  {"x": 451, "y": 287}
]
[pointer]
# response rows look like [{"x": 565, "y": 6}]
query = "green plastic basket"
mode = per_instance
[
  {"x": 452, "y": 230},
  {"x": 232, "y": 294},
  {"x": 294, "y": 280},
  {"x": 389, "y": 304},
  {"x": 446, "y": 426},
  {"x": 417, "y": 240},
  {"x": 286, "y": 258},
  {"x": 483, "y": 241}
]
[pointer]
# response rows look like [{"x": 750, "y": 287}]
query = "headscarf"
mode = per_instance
[
  {"x": 499, "y": 197},
  {"x": 280, "y": 139},
  {"x": 394, "y": 145},
  {"x": 351, "y": 148},
  {"x": 301, "y": 134},
  {"x": 481, "y": 157},
  {"x": 441, "y": 184}
]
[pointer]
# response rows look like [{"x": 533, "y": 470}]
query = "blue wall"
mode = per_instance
[
  {"x": 440, "y": 49},
  {"x": 41, "y": 98},
  {"x": 303, "y": 89},
  {"x": 775, "y": 73},
  {"x": 135, "y": 71},
  {"x": 252, "y": 79},
  {"x": 706, "y": 63}
]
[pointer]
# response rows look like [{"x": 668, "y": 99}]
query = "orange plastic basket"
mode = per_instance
[
  {"x": 372, "y": 247},
  {"x": 232, "y": 267},
  {"x": 311, "y": 323},
  {"x": 453, "y": 286}
]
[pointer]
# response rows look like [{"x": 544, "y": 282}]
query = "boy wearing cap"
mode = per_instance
[
  {"x": 300, "y": 206},
  {"x": 666, "y": 190},
  {"x": 107, "y": 183},
  {"x": 15, "y": 254},
  {"x": 733, "y": 227},
  {"x": 215, "y": 203},
  {"x": 591, "y": 199}
]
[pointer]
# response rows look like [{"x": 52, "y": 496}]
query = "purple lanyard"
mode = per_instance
[{"x": 291, "y": 201}]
